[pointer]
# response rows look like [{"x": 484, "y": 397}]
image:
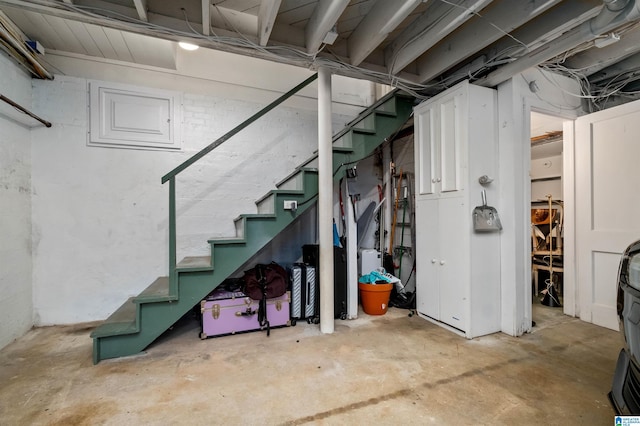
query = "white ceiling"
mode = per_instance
[
  {"x": 542, "y": 124},
  {"x": 422, "y": 46}
]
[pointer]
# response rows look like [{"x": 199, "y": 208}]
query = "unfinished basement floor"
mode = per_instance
[{"x": 386, "y": 370}]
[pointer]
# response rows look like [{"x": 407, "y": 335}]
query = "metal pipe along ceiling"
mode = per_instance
[
  {"x": 614, "y": 13},
  {"x": 15, "y": 47}
]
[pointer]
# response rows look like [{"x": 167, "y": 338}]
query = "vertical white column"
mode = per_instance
[{"x": 325, "y": 201}]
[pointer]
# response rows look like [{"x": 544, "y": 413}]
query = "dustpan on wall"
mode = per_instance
[{"x": 486, "y": 218}]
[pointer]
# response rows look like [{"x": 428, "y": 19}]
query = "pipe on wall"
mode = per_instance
[
  {"x": 16, "y": 48},
  {"x": 614, "y": 13}
]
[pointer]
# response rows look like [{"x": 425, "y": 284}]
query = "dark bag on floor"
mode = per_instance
[{"x": 264, "y": 282}]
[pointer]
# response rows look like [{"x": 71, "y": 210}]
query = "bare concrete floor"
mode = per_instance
[{"x": 386, "y": 370}]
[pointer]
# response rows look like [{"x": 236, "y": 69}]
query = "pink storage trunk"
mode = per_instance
[{"x": 226, "y": 312}]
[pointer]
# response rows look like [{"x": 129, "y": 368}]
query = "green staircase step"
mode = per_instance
[
  {"x": 195, "y": 263},
  {"x": 158, "y": 291},
  {"x": 122, "y": 321},
  {"x": 142, "y": 319}
]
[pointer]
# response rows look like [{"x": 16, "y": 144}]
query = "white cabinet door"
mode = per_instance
[
  {"x": 452, "y": 128},
  {"x": 440, "y": 135},
  {"x": 428, "y": 266},
  {"x": 426, "y": 146},
  {"x": 453, "y": 262}
]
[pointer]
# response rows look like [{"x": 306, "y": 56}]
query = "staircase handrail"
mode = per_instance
[{"x": 236, "y": 129}]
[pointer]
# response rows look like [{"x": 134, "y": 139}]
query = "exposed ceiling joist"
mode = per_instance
[
  {"x": 613, "y": 15},
  {"x": 419, "y": 46},
  {"x": 478, "y": 33},
  {"x": 538, "y": 31},
  {"x": 324, "y": 18},
  {"x": 383, "y": 18},
  {"x": 206, "y": 17},
  {"x": 234, "y": 21},
  {"x": 141, "y": 8},
  {"x": 591, "y": 61},
  {"x": 425, "y": 31},
  {"x": 617, "y": 71},
  {"x": 164, "y": 21},
  {"x": 547, "y": 26},
  {"x": 266, "y": 19}
]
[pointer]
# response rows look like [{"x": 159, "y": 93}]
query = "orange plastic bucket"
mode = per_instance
[{"x": 375, "y": 297}]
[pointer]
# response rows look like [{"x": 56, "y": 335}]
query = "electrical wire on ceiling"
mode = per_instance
[
  {"x": 293, "y": 55},
  {"x": 596, "y": 96},
  {"x": 333, "y": 61}
]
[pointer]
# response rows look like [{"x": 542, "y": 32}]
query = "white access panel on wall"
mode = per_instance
[
  {"x": 133, "y": 117},
  {"x": 458, "y": 270}
]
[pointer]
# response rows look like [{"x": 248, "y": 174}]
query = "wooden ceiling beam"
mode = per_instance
[
  {"x": 492, "y": 24},
  {"x": 383, "y": 18},
  {"x": 141, "y": 8},
  {"x": 324, "y": 18},
  {"x": 206, "y": 17},
  {"x": 594, "y": 60},
  {"x": 266, "y": 19},
  {"x": 425, "y": 31}
]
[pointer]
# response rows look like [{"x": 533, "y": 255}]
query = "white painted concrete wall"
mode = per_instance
[
  {"x": 16, "y": 305},
  {"x": 515, "y": 102},
  {"x": 100, "y": 214},
  {"x": 546, "y": 177}
]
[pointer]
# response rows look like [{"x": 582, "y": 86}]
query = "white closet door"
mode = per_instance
[{"x": 607, "y": 171}]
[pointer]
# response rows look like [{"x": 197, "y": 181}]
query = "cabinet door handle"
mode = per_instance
[
  {"x": 434, "y": 260},
  {"x": 434, "y": 180},
  {"x": 438, "y": 180},
  {"x": 442, "y": 262}
]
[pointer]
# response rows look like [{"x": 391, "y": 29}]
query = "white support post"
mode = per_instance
[{"x": 325, "y": 201}]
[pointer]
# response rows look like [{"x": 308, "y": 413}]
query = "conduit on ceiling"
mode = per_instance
[{"x": 12, "y": 42}]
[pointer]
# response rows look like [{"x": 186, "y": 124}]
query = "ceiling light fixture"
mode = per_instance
[{"x": 188, "y": 46}]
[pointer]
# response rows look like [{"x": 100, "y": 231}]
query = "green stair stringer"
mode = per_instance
[{"x": 142, "y": 319}]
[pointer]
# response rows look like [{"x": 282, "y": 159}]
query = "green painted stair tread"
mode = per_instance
[
  {"x": 129, "y": 331},
  {"x": 226, "y": 240},
  {"x": 300, "y": 171},
  {"x": 389, "y": 107},
  {"x": 158, "y": 291},
  {"x": 294, "y": 193},
  {"x": 122, "y": 321},
  {"x": 195, "y": 263},
  {"x": 256, "y": 216},
  {"x": 366, "y": 124}
]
